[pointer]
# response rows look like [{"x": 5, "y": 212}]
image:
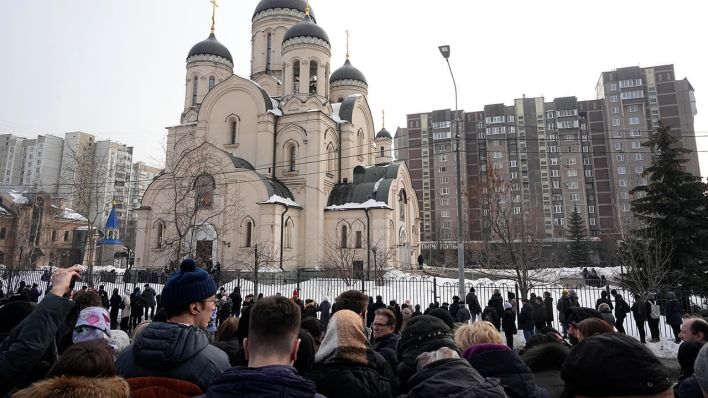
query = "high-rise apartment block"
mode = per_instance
[
  {"x": 546, "y": 158},
  {"x": 34, "y": 163},
  {"x": 140, "y": 178}
]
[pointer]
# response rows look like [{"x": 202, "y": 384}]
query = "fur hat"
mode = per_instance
[
  {"x": 427, "y": 332},
  {"x": 443, "y": 315},
  {"x": 188, "y": 285},
  {"x": 77, "y": 387},
  {"x": 622, "y": 365}
]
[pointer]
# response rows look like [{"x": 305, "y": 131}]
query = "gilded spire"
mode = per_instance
[
  {"x": 347, "y": 32},
  {"x": 307, "y": 8},
  {"x": 213, "y": 13}
]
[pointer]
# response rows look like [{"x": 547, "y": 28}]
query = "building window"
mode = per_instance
[
  {"x": 194, "y": 90},
  {"x": 615, "y": 109},
  {"x": 233, "y": 130},
  {"x": 558, "y": 209},
  {"x": 636, "y": 145},
  {"x": 443, "y": 169},
  {"x": 512, "y": 163},
  {"x": 588, "y": 173},
  {"x": 556, "y": 184},
  {"x": 622, "y": 182},
  {"x": 444, "y": 180},
  {"x": 54, "y": 235},
  {"x": 249, "y": 234},
  {"x": 633, "y": 108},
  {"x": 443, "y": 158},
  {"x": 554, "y": 161},
  {"x": 593, "y": 221},
  {"x": 204, "y": 186},
  {"x": 160, "y": 231},
  {"x": 357, "y": 242},
  {"x": 211, "y": 82},
  {"x": 343, "y": 237},
  {"x": 292, "y": 155},
  {"x": 444, "y": 191},
  {"x": 572, "y": 185},
  {"x": 575, "y": 197},
  {"x": 613, "y": 86},
  {"x": 3, "y": 231},
  {"x": 313, "y": 77},
  {"x": 555, "y": 173},
  {"x": 289, "y": 234},
  {"x": 614, "y": 98},
  {"x": 639, "y": 169},
  {"x": 296, "y": 77},
  {"x": 66, "y": 236},
  {"x": 445, "y": 213},
  {"x": 634, "y": 120},
  {"x": 618, "y": 146},
  {"x": 572, "y": 173},
  {"x": 591, "y": 209},
  {"x": 616, "y": 122},
  {"x": 621, "y": 170},
  {"x": 382, "y": 152},
  {"x": 269, "y": 50},
  {"x": 638, "y": 156},
  {"x": 497, "y": 155}
]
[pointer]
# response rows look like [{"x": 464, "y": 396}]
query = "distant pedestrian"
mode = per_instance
[
  {"x": 621, "y": 310},
  {"x": 473, "y": 304},
  {"x": 673, "y": 314},
  {"x": 653, "y": 312},
  {"x": 548, "y": 304},
  {"x": 639, "y": 314}
]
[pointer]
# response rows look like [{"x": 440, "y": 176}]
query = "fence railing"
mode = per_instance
[{"x": 317, "y": 285}]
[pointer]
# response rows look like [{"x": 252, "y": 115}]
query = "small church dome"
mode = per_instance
[
  {"x": 211, "y": 46},
  {"x": 306, "y": 28},
  {"x": 266, "y": 5},
  {"x": 383, "y": 134},
  {"x": 347, "y": 72}
]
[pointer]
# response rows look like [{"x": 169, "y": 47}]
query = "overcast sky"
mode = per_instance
[{"x": 115, "y": 69}]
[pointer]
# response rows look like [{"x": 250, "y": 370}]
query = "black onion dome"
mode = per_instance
[
  {"x": 306, "y": 28},
  {"x": 383, "y": 134},
  {"x": 347, "y": 72},
  {"x": 265, "y": 5},
  {"x": 211, "y": 46}
]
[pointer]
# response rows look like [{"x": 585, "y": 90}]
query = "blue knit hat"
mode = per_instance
[{"x": 188, "y": 285}]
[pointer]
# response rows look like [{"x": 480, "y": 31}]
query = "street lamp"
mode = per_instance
[{"x": 445, "y": 51}]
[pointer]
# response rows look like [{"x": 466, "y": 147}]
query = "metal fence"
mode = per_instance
[{"x": 318, "y": 285}]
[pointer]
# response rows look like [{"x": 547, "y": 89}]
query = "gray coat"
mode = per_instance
[{"x": 173, "y": 350}]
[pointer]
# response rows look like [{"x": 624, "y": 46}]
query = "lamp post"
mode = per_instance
[{"x": 445, "y": 51}]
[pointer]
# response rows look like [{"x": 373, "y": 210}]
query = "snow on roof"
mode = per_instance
[
  {"x": 282, "y": 200},
  {"x": 276, "y": 107},
  {"x": 369, "y": 204},
  {"x": 18, "y": 197},
  {"x": 335, "y": 113},
  {"x": 376, "y": 186},
  {"x": 71, "y": 215}
]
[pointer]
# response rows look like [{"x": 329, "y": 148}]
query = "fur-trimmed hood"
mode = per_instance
[{"x": 77, "y": 387}]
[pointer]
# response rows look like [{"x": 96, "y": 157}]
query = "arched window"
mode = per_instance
[
  {"x": 343, "y": 237},
  {"x": 402, "y": 239},
  {"x": 360, "y": 143},
  {"x": 212, "y": 81},
  {"x": 233, "y": 130},
  {"x": 269, "y": 50},
  {"x": 54, "y": 235},
  {"x": 296, "y": 77},
  {"x": 383, "y": 151},
  {"x": 292, "y": 155},
  {"x": 313, "y": 77},
  {"x": 204, "y": 191},
  {"x": 66, "y": 236},
  {"x": 289, "y": 233},
  {"x": 160, "y": 231},
  {"x": 194, "y": 90},
  {"x": 330, "y": 159},
  {"x": 249, "y": 234},
  {"x": 402, "y": 201},
  {"x": 2, "y": 258},
  {"x": 3, "y": 231}
]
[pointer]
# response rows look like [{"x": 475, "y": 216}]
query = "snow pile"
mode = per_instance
[
  {"x": 71, "y": 215},
  {"x": 369, "y": 204},
  {"x": 282, "y": 200}
]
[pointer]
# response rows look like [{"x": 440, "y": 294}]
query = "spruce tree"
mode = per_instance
[
  {"x": 577, "y": 249},
  {"x": 673, "y": 207}
]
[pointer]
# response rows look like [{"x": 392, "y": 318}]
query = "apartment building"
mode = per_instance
[
  {"x": 140, "y": 178},
  {"x": 31, "y": 163},
  {"x": 547, "y": 158}
]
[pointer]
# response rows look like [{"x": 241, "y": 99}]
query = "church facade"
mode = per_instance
[{"x": 283, "y": 169}]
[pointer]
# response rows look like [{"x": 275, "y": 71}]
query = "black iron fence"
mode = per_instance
[{"x": 317, "y": 285}]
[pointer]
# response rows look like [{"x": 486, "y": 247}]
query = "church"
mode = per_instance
[{"x": 281, "y": 170}]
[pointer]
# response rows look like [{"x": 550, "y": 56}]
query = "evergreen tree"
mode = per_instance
[
  {"x": 577, "y": 249},
  {"x": 674, "y": 206}
]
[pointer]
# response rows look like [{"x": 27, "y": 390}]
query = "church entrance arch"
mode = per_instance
[
  {"x": 200, "y": 242},
  {"x": 404, "y": 249}
]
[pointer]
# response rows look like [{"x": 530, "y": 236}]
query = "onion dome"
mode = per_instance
[
  {"x": 210, "y": 47},
  {"x": 383, "y": 134},
  {"x": 347, "y": 72},
  {"x": 266, "y": 5},
  {"x": 306, "y": 28}
]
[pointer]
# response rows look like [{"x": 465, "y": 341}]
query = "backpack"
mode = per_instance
[
  {"x": 655, "y": 311},
  {"x": 490, "y": 315}
]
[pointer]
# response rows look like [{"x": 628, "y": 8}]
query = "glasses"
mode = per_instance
[
  {"x": 211, "y": 300},
  {"x": 380, "y": 325}
]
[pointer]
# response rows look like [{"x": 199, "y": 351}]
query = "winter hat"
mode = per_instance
[
  {"x": 443, "y": 315},
  {"x": 295, "y": 293},
  {"x": 427, "y": 332},
  {"x": 93, "y": 322},
  {"x": 624, "y": 366},
  {"x": 13, "y": 313},
  {"x": 345, "y": 339},
  {"x": 700, "y": 368},
  {"x": 188, "y": 285},
  {"x": 119, "y": 340},
  {"x": 507, "y": 305},
  {"x": 687, "y": 354},
  {"x": 577, "y": 314},
  {"x": 564, "y": 293}
]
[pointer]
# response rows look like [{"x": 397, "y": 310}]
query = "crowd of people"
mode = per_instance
[{"x": 195, "y": 339}]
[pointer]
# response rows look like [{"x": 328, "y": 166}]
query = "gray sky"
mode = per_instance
[{"x": 116, "y": 68}]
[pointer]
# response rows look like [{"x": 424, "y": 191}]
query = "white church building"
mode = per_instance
[{"x": 281, "y": 169}]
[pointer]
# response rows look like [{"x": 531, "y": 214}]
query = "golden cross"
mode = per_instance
[
  {"x": 347, "y": 32},
  {"x": 383, "y": 119},
  {"x": 307, "y": 8},
  {"x": 213, "y": 13}
]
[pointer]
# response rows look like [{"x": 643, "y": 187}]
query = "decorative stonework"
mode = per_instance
[
  {"x": 348, "y": 82},
  {"x": 210, "y": 58},
  {"x": 306, "y": 40},
  {"x": 279, "y": 12}
]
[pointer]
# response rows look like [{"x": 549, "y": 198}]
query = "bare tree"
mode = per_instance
[
  {"x": 383, "y": 257},
  {"x": 513, "y": 244},
  {"x": 198, "y": 201},
  {"x": 341, "y": 257},
  {"x": 646, "y": 264}
]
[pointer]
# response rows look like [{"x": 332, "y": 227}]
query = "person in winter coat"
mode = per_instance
[
  {"x": 104, "y": 296},
  {"x": 27, "y": 343},
  {"x": 236, "y": 301},
  {"x": 455, "y": 306},
  {"x": 224, "y": 310},
  {"x": 406, "y": 314},
  {"x": 125, "y": 313},
  {"x": 490, "y": 314},
  {"x": 687, "y": 354},
  {"x": 115, "y": 304},
  {"x": 562, "y": 306},
  {"x": 482, "y": 346},
  {"x": 35, "y": 293},
  {"x": 226, "y": 338},
  {"x": 548, "y": 305},
  {"x": 603, "y": 299},
  {"x": 509, "y": 325},
  {"x": 463, "y": 315},
  {"x": 621, "y": 311},
  {"x": 545, "y": 361},
  {"x": 137, "y": 306},
  {"x": 473, "y": 304},
  {"x": 606, "y": 313},
  {"x": 179, "y": 348},
  {"x": 526, "y": 318},
  {"x": 639, "y": 313},
  {"x": 431, "y": 365},
  {"x": 346, "y": 366},
  {"x": 573, "y": 296},
  {"x": 272, "y": 347},
  {"x": 539, "y": 314},
  {"x": 653, "y": 313},
  {"x": 497, "y": 302},
  {"x": 324, "y": 309},
  {"x": 673, "y": 314},
  {"x": 84, "y": 370},
  {"x": 385, "y": 338},
  {"x": 416, "y": 311},
  {"x": 150, "y": 303}
]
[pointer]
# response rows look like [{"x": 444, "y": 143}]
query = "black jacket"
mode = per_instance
[
  {"x": 173, "y": 350},
  {"x": 337, "y": 378},
  {"x": 545, "y": 361},
  {"x": 269, "y": 381},
  {"x": 639, "y": 311},
  {"x": 539, "y": 316},
  {"x": 454, "y": 307},
  {"x": 386, "y": 346},
  {"x": 606, "y": 300},
  {"x": 526, "y": 317},
  {"x": 230, "y": 346},
  {"x": 499, "y": 361},
  {"x": 548, "y": 303},
  {"x": 452, "y": 378},
  {"x": 473, "y": 303},
  {"x": 509, "y": 321},
  {"x": 497, "y": 302},
  {"x": 621, "y": 307}
]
